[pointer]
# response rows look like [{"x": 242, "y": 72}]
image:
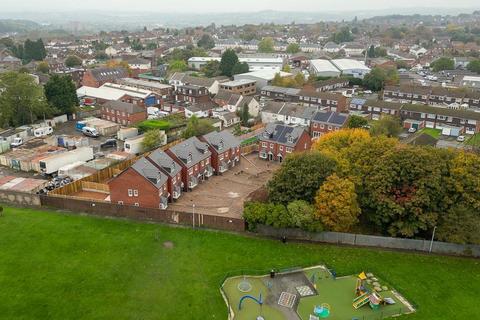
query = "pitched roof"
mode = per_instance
[
  {"x": 164, "y": 161},
  {"x": 146, "y": 169},
  {"x": 124, "y": 106},
  {"x": 461, "y": 114},
  {"x": 222, "y": 140},
  {"x": 198, "y": 81},
  {"x": 280, "y": 133},
  {"x": 191, "y": 151},
  {"x": 108, "y": 74},
  {"x": 330, "y": 117}
]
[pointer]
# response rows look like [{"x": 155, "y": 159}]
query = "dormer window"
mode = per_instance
[
  {"x": 220, "y": 145},
  {"x": 265, "y": 134},
  {"x": 189, "y": 158},
  {"x": 290, "y": 139}
]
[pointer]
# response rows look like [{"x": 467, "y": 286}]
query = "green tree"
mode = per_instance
[
  {"x": 375, "y": 80},
  {"x": 336, "y": 204},
  {"x": 356, "y": 122},
  {"x": 177, "y": 66},
  {"x": 61, "y": 93},
  {"x": 387, "y": 125},
  {"x": 244, "y": 115},
  {"x": 460, "y": 224},
  {"x": 474, "y": 66},
  {"x": 151, "y": 46},
  {"x": 197, "y": 127},
  {"x": 73, "y": 61},
  {"x": 303, "y": 216},
  {"x": 371, "y": 52},
  {"x": 228, "y": 61},
  {"x": 343, "y": 35},
  {"x": 152, "y": 139},
  {"x": 293, "y": 48},
  {"x": 43, "y": 67},
  {"x": 211, "y": 69},
  {"x": 443, "y": 63},
  {"x": 266, "y": 45},
  {"x": 206, "y": 42},
  {"x": 22, "y": 101},
  {"x": 240, "y": 67},
  {"x": 300, "y": 177},
  {"x": 34, "y": 50}
]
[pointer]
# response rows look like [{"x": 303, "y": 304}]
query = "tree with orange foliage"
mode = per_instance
[
  {"x": 336, "y": 204},
  {"x": 119, "y": 64}
]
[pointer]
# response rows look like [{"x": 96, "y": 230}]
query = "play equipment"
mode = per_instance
[
  {"x": 361, "y": 300},
  {"x": 375, "y": 301},
  {"x": 360, "y": 288},
  {"x": 322, "y": 311},
  {"x": 259, "y": 300},
  {"x": 244, "y": 285}
]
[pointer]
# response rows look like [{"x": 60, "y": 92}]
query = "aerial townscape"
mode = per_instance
[{"x": 256, "y": 160}]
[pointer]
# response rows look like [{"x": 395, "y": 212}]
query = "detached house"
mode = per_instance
[
  {"x": 234, "y": 102},
  {"x": 225, "y": 149},
  {"x": 194, "y": 157},
  {"x": 171, "y": 169},
  {"x": 278, "y": 140},
  {"x": 141, "y": 185}
]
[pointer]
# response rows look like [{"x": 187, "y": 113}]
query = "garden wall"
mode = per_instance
[
  {"x": 372, "y": 241},
  {"x": 108, "y": 209},
  {"x": 19, "y": 198}
]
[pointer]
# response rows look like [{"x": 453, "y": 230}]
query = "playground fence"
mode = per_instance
[{"x": 373, "y": 241}]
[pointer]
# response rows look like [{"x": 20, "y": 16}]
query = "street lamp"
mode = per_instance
[
  {"x": 433, "y": 236},
  {"x": 193, "y": 215}
]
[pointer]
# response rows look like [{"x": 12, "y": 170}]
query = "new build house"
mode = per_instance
[
  {"x": 279, "y": 140},
  {"x": 171, "y": 169},
  {"x": 225, "y": 149},
  {"x": 194, "y": 157},
  {"x": 141, "y": 185},
  {"x": 327, "y": 121}
]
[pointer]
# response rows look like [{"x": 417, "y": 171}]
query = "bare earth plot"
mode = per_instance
[{"x": 225, "y": 194}]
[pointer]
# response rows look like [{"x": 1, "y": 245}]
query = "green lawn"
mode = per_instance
[
  {"x": 431, "y": 132},
  {"x": 58, "y": 266},
  {"x": 474, "y": 140}
]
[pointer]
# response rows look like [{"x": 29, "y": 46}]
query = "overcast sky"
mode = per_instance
[{"x": 205, "y": 6}]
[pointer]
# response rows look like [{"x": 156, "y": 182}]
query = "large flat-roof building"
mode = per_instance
[
  {"x": 337, "y": 67},
  {"x": 254, "y": 63},
  {"x": 324, "y": 68},
  {"x": 262, "y": 77}
]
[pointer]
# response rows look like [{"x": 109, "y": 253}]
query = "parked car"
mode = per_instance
[
  {"x": 109, "y": 143},
  {"x": 90, "y": 132},
  {"x": 461, "y": 138},
  {"x": 412, "y": 130}
]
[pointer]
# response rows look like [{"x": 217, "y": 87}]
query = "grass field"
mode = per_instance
[
  {"x": 432, "y": 132},
  {"x": 58, "y": 266},
  {"x": 474, "y": 140}
]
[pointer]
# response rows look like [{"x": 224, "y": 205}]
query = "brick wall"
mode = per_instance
[{"x": 144, "y": 214}]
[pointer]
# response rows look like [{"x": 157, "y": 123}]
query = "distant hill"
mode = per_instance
[{"x": 10, "y": 25}]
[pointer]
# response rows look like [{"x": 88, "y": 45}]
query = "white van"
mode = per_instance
[
  {"x": 90, "y": 132},
  {"x": 42, "y": 132}
]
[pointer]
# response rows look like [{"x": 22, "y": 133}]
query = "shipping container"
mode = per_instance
[{"x": 53, "y": 163}]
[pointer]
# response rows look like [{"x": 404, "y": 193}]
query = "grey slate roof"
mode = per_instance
[
  {"x": 287, "y": 91},
  {"x": 330, "y": 117},
  {"x": 108, "y": 74},
  {"x": 146, "y": 169},
  {"x": 281, "y": 133},
  {"x": 222, "y": 140},
  {"x": 191, "y": 148},
  {"x": 164, "y": 161},
  {"x": 124, "y": 106}
]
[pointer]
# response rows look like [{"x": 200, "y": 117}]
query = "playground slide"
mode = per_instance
[{"x": 360, "y": 301}]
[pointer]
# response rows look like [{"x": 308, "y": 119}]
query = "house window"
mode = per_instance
[
  {"x": 120, "y": 202},
  {"x": 130, "y": 192},
  {"x": 281, "y": 148},
  {"x": 289, "y": 150},
  {"x": 314, "y": 125},
  {"x": 264, "y": 144},
  {"x": 135, "y": 193},
  {"x": 136, "y": 204}
]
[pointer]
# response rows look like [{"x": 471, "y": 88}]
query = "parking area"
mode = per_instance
[{"x": 224, "y": 195}]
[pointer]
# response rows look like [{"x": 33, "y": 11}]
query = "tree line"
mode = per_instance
[{"x": 352, "y": 181}]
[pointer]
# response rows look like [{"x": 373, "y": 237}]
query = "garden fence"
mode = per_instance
[{"x": 372, "y": 241}]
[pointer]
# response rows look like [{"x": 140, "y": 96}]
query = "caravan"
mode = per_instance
[{"x": 42, "y": 132}]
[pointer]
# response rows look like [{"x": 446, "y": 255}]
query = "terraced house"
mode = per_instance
[
  {"x": 374, "y": 109},
  {"x": 141, "y": 185},
  {"x": 225, "y": 149},
  {"x": 171, "y": 169},
  {"x": 194, "y": 157},
  {"x": 279, "y": 140}
]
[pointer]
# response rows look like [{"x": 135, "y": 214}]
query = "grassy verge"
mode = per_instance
[
  {"x": 56, "y": 266},
  {"x": 435, "y": 133}
]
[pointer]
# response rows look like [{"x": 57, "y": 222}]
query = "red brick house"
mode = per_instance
[
  {"x": 141, "y": 185},
  {"x": 327, "y": 121},
  {"x": 225, "y": 149},
  {"x": 99, "y": 76},
  {"x": 192, "y": 94},
  {"x": 172, "y": 169},
  {"x": 278, "y": 140},
  {"x": 194, "y": 157},
  {"x": 123, "y": 112}
]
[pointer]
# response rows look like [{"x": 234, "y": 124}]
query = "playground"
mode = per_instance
[{"x": 312, "y": 294}]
